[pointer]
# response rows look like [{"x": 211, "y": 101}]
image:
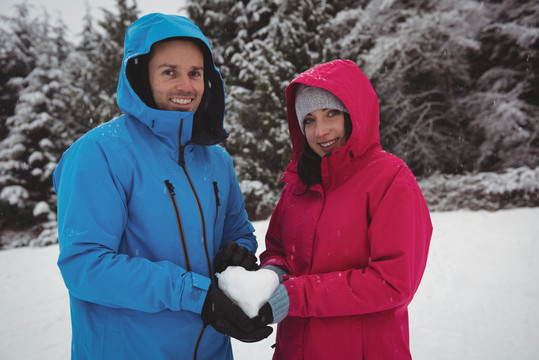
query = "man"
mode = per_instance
[{"x": 146, "y": 202}]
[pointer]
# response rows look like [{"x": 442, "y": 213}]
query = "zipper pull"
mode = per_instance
[
  {"x": 216, "y": 192},
  {"x": 181, "y": 160},
  {"x": 170, "y": 187}
]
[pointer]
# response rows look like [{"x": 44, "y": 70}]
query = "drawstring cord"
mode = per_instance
[{"x": 198, "y": 342}]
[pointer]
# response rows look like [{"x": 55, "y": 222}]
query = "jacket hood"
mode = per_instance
[
  {"x": 345, "y": 80},
  {"x": 134, "y": 94}
]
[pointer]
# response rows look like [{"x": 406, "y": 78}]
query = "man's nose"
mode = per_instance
[{"x": 182, "y": 83}]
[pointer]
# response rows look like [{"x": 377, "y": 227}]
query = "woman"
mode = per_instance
[{"x": 349, "y": 237}]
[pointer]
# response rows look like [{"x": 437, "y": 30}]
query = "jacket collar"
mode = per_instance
[{"x": 174, "y": 128}]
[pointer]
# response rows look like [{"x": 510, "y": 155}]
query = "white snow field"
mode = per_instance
[{"x": 479, "y": 298}]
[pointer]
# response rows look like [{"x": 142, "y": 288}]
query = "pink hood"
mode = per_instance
[{"x": 345, "y": 80}]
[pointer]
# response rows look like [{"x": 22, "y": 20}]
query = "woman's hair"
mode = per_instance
[{"x": 309, "y": 162}]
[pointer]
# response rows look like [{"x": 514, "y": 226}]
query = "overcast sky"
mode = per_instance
[{"x": 72, "y": 11}]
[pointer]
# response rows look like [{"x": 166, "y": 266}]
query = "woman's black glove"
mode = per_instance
[
  {"x": 228, "y": 318},
  {"x": 265, "y": 315},
  {"x": 275, "y": 310},
  {"x": 234, "y": 255}
]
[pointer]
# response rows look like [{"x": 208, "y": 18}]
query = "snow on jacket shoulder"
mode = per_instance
[
  {"x": 137, "y": 231},
  {"x": 356, "y": 245}
]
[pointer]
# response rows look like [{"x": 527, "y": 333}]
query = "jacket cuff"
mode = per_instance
[
  {"x": 278, "y": 270},
  {"x": 280, "y": 303},
  {"x": 195, "y": 290}
]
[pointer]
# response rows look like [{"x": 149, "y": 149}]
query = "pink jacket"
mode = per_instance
[{"x": 355, "y": 246}]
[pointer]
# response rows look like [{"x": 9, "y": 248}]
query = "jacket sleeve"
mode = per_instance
[
  {"x": 399, "y": 236},
  {"x": 92, "y": 216},
  {"x": 273, "y": 254},
  {"x": 237, "y": 226}
]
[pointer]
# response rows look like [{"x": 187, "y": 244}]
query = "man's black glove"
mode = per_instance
[
  {"x": 228, "y": 318},
  {"x": 234, "y": 255}
]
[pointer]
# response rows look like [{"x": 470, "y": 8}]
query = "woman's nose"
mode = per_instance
[{"x": 321, "y": 130}]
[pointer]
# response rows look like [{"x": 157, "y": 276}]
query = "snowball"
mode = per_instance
[{"x": 250, "y": 290}]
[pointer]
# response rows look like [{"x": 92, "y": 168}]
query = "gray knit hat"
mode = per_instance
[{"x": 310, "y": 98}]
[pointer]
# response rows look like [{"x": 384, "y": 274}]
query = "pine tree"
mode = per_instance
[
  {"x": 87, "y": 95},
  {"x": 506, "y": 101},
  {"x": 94, "y": 67},
  {"x": 260, "y": 46},
  {"x": 30, "y": 151},
  {"x": 231, "y": 26},
  {"x": 16, "y": 59},
  {"x": 415, "y": 54},
  {"x": 290, "y": 43},
  {"x": 105, "y": 56}
]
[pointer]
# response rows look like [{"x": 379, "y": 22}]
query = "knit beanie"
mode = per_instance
[{"x": 310, "y": 98}]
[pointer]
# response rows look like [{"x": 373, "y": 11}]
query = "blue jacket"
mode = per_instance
[{"x": 144, "y": 203}]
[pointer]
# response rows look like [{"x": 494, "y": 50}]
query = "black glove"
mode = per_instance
[
  {"x": 228, "y": 318},
  {"x": 234, "y": 255},
  {"x": 265, "y": 316}
]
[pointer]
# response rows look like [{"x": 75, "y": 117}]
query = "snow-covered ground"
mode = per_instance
[{"x": 479, "y": 298}]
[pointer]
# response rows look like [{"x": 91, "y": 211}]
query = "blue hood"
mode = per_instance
[{"x": 134, "y": 94}]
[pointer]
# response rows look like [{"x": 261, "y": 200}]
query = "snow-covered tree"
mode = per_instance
[
  {"x": 293, "y": 41},
  {"x": 415, "y": 53},
  {"x": 505, "y": 105},
  {"x": 260, "y": 46},
  {"x": 94, "y": 67},
  {"x": 231, "y": 26},
  {"x": 101, "y": 61},
  {"x": 16, "y": 58},
  {"x": 87, "y": 96},
  {"x": 58, "y": 91},
  {"x": 456, "y": 79},
  {"x": 34, "y": 140}
]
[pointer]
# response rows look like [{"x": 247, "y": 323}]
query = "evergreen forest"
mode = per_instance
[{"x": 458, "y": 84}]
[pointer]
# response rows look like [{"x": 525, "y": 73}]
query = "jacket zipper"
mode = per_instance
[
  {"x": 181, "y": 162},
  {"x": 217, "y": 202},
  {"x": 172, "y": 195}
]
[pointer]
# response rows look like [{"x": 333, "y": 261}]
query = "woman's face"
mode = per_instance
[{"x": 324, "y": 130}]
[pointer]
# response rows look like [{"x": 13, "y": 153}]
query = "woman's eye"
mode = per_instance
[
  {"x": 307, "y": 121},
  {"x": 333, "y": 112}
]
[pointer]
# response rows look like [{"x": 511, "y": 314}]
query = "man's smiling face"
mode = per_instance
[{"x": 176, "y": 74}]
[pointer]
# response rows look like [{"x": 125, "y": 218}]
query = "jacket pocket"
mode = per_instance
[{"x": 172, "y": 194}]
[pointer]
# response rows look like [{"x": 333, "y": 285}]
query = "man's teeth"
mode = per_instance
[
  {"x": 181, "y": 101},
  {"x": 329, "y": 143}
]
